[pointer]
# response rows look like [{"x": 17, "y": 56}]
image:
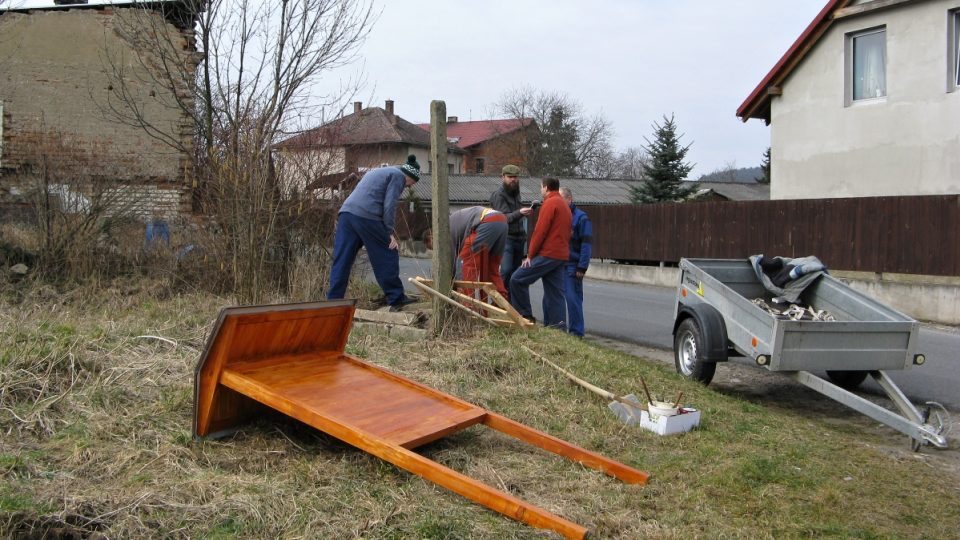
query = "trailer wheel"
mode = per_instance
[
  {"x": 847, "y": 380},
  {"x": 687, "y": 353}
]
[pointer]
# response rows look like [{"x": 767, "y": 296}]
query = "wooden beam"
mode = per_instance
[
  {"x": 511, "y": 312},
  {"x": 444, "y": 298},
  {"x": 875, "y": 5},
  {"x": 478, "y": 303},
  {"x": 774, "y": 90},
  {"x": 442, "y": 251},
  {"x": 565, "y": 449}
]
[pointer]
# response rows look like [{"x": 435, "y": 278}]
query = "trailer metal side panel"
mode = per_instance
[
  {"x": 867, "y": 335},
  {"x": 809, "y": 345}
]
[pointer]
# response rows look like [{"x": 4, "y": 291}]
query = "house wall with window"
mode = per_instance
[
  {"x": 874, "y": 108},
  {"x": 510, "y": 148}
]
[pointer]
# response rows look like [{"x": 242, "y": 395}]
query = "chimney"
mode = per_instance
[
  {"x": 388, "y": 106},
  {"x": 451, "y": 119},
  {"x": 357, "y": 105}
]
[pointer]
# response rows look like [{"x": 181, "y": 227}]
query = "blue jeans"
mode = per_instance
[
  {"x": 352, "y": 233},
  {"x": 551, "y": 271},
  {"x": 157, "y": 231},
  {"x": 574, "y": 295},
  {"x": 512, "y": 258}
]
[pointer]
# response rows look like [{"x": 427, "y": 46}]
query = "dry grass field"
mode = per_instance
[{"x": 95, "y": 413}]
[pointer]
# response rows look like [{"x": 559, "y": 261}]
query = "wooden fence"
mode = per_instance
[{"x": 911, "y": 235}]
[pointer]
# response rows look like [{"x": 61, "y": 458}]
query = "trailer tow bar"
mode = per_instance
[{"x": 910, "y": 422}]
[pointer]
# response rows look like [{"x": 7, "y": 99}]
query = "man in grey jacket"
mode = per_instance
[{"x": 366, "y": 219}]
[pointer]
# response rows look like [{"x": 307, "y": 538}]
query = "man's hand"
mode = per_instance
[
  {"x": 393, "y": 242},
  {"x": 525, "y": 211},
  {"x": 579, "y": 274},
  {"x": 525, "y": 263}
]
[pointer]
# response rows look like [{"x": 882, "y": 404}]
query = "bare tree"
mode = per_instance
[
  {"x": 570, "y": 141},
  {"x": 624, "y": 165},
  {"x": 631, "y": 163},
  {"x": 257, "y": 67},
  {"x": 726, "y": 173}
]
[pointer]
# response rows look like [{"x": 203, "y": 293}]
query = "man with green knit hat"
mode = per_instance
[{"x": 366, "y": 219}]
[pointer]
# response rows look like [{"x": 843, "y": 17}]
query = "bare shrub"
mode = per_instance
[
  {"x": 257, "y": 69},
  {"x": 80, "y": 224}
]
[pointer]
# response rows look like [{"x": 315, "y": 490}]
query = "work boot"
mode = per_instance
[{"x": 405, "y": 300}]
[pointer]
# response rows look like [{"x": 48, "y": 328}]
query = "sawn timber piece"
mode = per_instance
[{"x": 291, "y": 358}]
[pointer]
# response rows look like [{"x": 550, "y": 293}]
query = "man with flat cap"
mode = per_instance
[{"x": 506, "y": 200}]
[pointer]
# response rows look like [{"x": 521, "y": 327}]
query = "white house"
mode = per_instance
[{"x": 866, "y": 102}]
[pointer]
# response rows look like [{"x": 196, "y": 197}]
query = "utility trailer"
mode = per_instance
[{"x": 715, "y": 318}]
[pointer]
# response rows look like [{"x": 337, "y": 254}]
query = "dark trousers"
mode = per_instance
[
  {"x": 513, "y": 255},
  {"x": 574, "y": 296},
  {"x": 551, "y": 271},
  {"x": 352, "y": 233}
]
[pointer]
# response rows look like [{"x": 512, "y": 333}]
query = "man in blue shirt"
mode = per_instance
[
  {"x": 366, "y": 219},
  {"x": 581, "y": 247}
]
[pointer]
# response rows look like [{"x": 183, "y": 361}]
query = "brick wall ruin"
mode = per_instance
[{"x": 59, "y": 71}]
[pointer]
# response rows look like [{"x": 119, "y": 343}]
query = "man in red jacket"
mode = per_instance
[{"x": 546, "y": 256}]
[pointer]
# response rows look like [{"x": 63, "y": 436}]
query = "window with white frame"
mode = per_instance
[
  {"x": 867, "y": 66},
  {"x": 954, "y": 43}
]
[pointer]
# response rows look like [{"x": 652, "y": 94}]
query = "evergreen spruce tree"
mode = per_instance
[
  {"x": 665, "y": 171},
  {"x": 558, "y": 144},
  {"x": 765, "y": 168}
]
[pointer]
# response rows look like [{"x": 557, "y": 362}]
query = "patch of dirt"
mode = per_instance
[{"x": 779, "y": 391}]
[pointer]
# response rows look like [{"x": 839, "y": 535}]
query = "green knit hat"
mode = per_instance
[{"x": 411, "y": 168}]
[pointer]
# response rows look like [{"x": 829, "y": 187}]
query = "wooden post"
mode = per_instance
[{"x": 440, "y": 210}]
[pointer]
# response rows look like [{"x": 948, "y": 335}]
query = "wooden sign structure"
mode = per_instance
[
  {"x": 290, "y": 358},
  {"x": 498, "y": 313}
]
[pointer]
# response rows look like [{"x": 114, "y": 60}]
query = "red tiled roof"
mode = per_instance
[
  {"x": 369, "y": 126},
  {"x": 757, "y": 105},
  {"x": 476, "y": 132}
]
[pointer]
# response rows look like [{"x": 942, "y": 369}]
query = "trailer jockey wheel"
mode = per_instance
[
  {"x": 940, "y": 422},
  {"x": 917, "y": 444},
  {"x": 688, "y": 353}
]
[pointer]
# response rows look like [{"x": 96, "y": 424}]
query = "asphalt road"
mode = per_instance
[{"x": 643, "y": 314}]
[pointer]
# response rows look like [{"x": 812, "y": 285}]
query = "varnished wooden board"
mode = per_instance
[
  {"x": 258, "y": 332},
  {"x": 291, "y": 358},
  {"x": 349, "y": 392}
]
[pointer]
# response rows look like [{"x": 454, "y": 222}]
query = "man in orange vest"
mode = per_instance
[
  {"x": 478, "y": 235},
  {"x": 546, "y": 257}
]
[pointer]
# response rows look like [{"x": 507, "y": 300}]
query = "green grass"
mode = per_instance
[{"x": 103, "y": 419}]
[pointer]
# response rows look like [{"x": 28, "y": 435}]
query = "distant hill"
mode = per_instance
[{"x": 743, "y": 175}]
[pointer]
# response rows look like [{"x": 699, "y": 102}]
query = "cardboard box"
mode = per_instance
[{"x": 668, "y": 425}]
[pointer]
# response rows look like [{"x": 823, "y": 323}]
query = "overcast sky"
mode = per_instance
[{"x": 633, "y": 61}]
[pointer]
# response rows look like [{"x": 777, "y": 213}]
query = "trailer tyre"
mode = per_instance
[
  {"x": 688, "y": 345},
  {"x": 847, "y": 380}
]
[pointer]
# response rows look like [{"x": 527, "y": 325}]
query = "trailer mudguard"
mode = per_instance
[{"x": 712, "y": 328}]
